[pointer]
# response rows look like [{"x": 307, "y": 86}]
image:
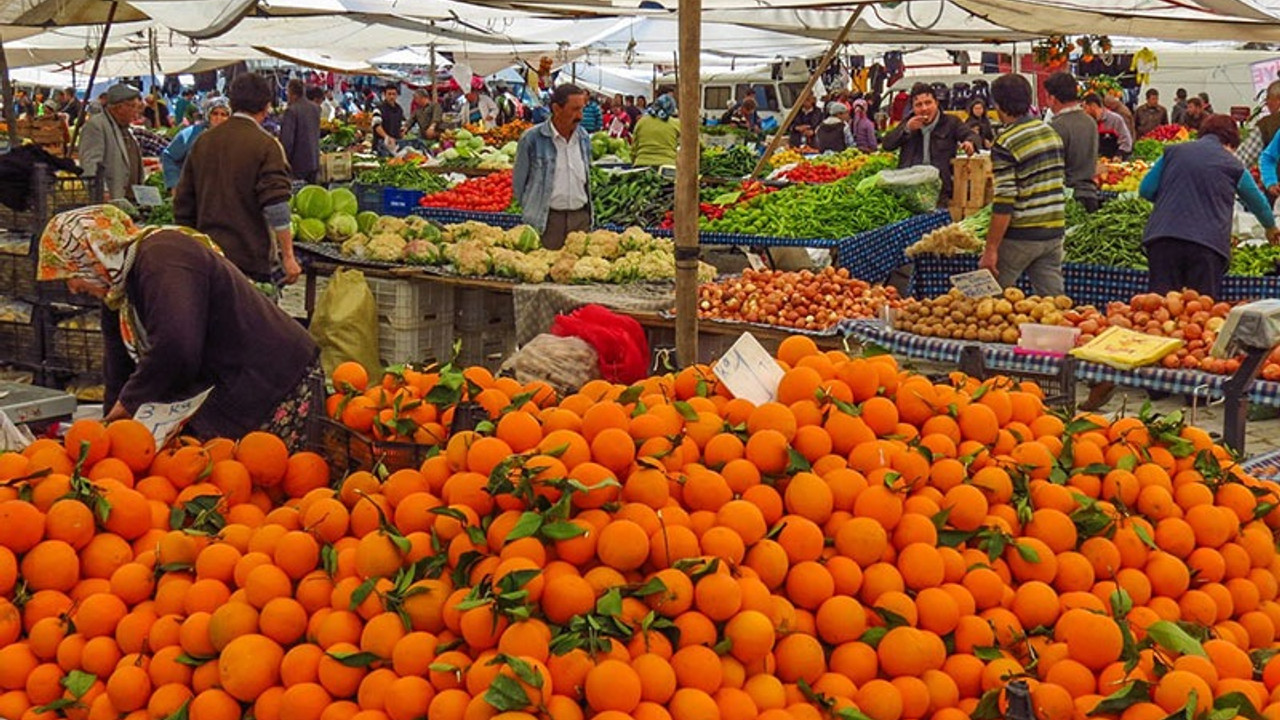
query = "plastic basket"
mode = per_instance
[
  {"x": 74, "y": 342},
  {"x": 399, "y": 202},
  {"x": 424, "y": 344},
  {"x": 1059, "y": 389},
  {"x": 56, "y": 293}
]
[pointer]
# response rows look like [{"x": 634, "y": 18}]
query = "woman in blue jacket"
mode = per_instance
[{"x": 215, "y": 110}]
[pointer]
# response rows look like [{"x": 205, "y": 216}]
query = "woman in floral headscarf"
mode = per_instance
[
  {"x": 656, "y": 135},
  {"x": 180, "y": 319}
]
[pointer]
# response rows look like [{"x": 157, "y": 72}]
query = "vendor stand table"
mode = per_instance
[{"x": 715, "y": 338}]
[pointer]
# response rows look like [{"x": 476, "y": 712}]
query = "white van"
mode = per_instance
[{"x": 774, "y": 96}]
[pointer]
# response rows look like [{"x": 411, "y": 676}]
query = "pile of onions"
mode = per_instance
[{"x": 804, "y": 300}]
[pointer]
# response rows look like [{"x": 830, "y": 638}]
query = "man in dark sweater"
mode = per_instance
[
  {"x": 300, "y": 133},
  {"x": 1151, "y": 115},
  {"x": 235, "y": 187},
  {"x": 929, "y": 137},
  {"x": 1079, "y": 134},
  {"x": 388, "y": 121}
]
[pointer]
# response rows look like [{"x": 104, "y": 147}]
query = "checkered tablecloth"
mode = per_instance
[
  {"x": 1086, "y": 284},
  {"x": 449, "y": 216},
  {"x": 1265, "y": 465},
  {"x": 872, "y": 255},
  {"x": 720, "y": 238},
  {"x": 1003, "y": 357}
]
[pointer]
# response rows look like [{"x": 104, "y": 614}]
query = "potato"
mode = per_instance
[
  {"x": 1004, "y": 307},
  {"x": 985, "y": 309},
  {"x": 1023, "y": 306},
  {"x": 1009, "y": 336},
  {"x": 1062, "y": 302},
  {"x": 1013, "y": 294}
]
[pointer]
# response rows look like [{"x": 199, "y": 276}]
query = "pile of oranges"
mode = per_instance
[{"x": 872, "y": 545}]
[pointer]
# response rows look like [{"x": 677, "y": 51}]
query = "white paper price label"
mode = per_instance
[
  {"x": 165, "y": 420},
  {"x": 977, "y": 284},
  {"x": 749, "y": 371},
  {"x": 147, "y": 196}
]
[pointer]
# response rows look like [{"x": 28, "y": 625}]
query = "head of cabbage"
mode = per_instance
[
  {"x": 344, "y": 201},
  {"x": 313, "y": 202},
  {"x": 341, "y": 226},
  {"x": 311, "y": 230}
]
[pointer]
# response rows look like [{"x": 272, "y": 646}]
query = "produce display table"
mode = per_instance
[
  {"x": 1085, "y": 284},
  {"x": 872, "y": 255},
  {"x": 1003, "y": 357}
]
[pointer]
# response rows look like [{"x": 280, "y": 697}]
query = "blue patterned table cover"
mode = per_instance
[
  {"x": 1002, "y": 357},
  {"x": 449, "y": 216},
  {"x": 873, "y": 254},
  {"x": 1264, "y": 465},
  {"x": 1086, "y": 284}
]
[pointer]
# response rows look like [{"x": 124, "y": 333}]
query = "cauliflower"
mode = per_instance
[
  {"x": 355, "y": 245},
  {"x": 604, "y": 244},
  {"x": 640, "y": 266},
  {"x": 590, "y": 269},
  {"x": 385, "y": 247},
  {"x": 420, "y": 228},
  {"x": 388, "y": 224},
  {"x": 422, "y": 252},
  {"x": 488, "y": 235},
  {"x": 472, "y": 258},
  {"x": 533, "y": 270},
  {"x": 505, "y": 261},
  {"x": 449, "y": 252},
  {"x": 562, "y": 268},
  {"x": 636, "y": 239},
  {"x": 575, "y": 243}
]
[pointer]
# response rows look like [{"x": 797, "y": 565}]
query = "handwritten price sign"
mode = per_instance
[
  {"x": 165, "y": 420},
  {"x": 748, "y": 371}
]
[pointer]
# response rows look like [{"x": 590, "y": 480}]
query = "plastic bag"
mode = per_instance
[
  {"x": 919, "y": 187},
  {"x": 564, "y": 363},
  {"x": 618, "y": 340},
  {"x": 345, "y": 323}
]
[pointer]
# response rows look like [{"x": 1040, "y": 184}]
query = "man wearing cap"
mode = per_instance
[
  {"x": 235, "y": 187},
  {"x": 477, "y": 107},
  {"x": 107, "y": 148},
  {"x": 833, "y": 133}
]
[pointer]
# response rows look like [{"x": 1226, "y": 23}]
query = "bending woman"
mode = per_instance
[{"x": 179, "y": 319}]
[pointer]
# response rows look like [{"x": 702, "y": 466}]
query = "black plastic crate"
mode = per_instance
[
  {"x": 351, "y": 451},
  {"x": 74, "y": 342},
  {"x": 17, "y": 265},
  {"x": 1059, "y": 388},
  {"x": 20, "y": 339}
]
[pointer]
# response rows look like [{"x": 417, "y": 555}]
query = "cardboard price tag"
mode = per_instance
[
  {"x": 147, "y": 196},
  {"x": 977, "y": 284},
  {"x": 165, "y": 420},
  {"x": 749, "y": 371}
]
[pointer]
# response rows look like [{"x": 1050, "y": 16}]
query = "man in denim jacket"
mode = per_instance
[{"x": 552, "y": 170}]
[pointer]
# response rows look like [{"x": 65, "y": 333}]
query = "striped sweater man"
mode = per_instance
[{"x": 1028, "y": 164}]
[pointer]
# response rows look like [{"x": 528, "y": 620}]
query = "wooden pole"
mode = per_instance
[
  {"x": 686, "y": 228},
  {"x": 808, "y": 88},
  {"x": 93, "y": 73},
  {"x": 6, "y": 90}
]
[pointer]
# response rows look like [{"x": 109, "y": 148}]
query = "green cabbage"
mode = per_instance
[
  {"x": 311, "y": 230},
  {"x": 313, "y": 202},
  {"x": 340, "y": 227},
  {"x": 366, "y": 220},
  {"x": 344, "y": 201}
]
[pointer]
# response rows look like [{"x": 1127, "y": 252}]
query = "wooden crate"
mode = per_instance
[
  {"x": 45, "y": 130},
  {"x": 334, "y": 167},
  {"x": 973, "y": 185}
]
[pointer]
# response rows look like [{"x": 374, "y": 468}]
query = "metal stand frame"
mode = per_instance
[{"x": 1235, "y": 411}]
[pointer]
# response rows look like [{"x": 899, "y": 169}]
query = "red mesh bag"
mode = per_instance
[{"x": 618, "y": 340}]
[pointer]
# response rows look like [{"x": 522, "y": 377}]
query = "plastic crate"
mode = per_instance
[
  {"x": 17, "y": 265},
  {"x": 368, "y": 197},
  {"x": 55, "y": 292},
  {"x": 20, "y": 340},
  {"x": 424, "y": 344},
  {"x": 350, "y": 451},
  {"x": 410, "y": 303},
  {"x": 399, "y": 202},
  {"x": 486, "y": 325},
  {"x": 1059, "y": 389},
  {"x": 74, "y": 342}
]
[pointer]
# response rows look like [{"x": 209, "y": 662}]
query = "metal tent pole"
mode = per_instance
[
  {"x": 93, "y": 73},
  {"x": 808, "y": 88}
]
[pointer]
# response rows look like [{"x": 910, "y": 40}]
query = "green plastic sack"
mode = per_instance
[{"x": 345, "y": 323}]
